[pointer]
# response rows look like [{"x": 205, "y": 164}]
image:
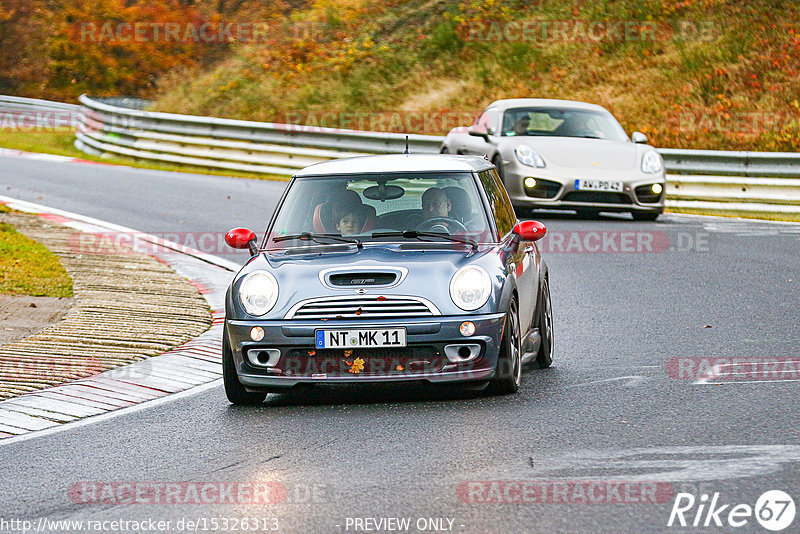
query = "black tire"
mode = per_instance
[
  {"x": 645, "y": 215},
  {"x": 234, "y": 389},
  {"x": 444, "y": 150},
  {"x": 544, "y": 358},
  {"x": 497, "y": 161},
  {"x": 508, "y": 373}
]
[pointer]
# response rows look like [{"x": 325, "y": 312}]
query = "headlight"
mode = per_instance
[
  {"x": 258, "y": 293},
  {"x": 652, "y": 162},
  {"x": 528, "y": 156},
  {"x": 470, "y": 288}
]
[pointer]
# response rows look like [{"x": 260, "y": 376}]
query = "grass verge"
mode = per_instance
[
  {"x": 60, "y": 144},
  {"x": 786, "y": 217},
  {"x": 28, "y": 267}
]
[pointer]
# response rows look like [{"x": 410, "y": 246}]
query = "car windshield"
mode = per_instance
[
  {"x": 559, "y": 122},
  {"x": 436, "y": 207}
]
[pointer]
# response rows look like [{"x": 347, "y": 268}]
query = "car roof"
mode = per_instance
[
  {"x": 396, "y": 163},
  {"x": 545, "y": 102}
]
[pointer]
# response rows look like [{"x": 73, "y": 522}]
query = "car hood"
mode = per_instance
[
  {"x": 428, "y": 276},
  {"x": 583, "y": 153}
]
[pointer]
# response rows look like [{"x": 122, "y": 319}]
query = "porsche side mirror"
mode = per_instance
[
  {"x": 242, "y": 238},
  {"x": 477, "y": 133},
  {"x": 639, "y": 137},
  {"x": 530, "y": 230}
]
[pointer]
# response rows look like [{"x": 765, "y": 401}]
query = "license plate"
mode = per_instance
[
  {"x": 361, "y": 338},
  {"x": 598, "y": 185}
]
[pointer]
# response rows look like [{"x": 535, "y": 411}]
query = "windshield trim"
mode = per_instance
[
  {"x": 489, "y": 219},
  {"x": 602, "y": 113}
]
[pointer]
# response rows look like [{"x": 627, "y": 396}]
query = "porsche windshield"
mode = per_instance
[
  {"x": 361, "y": 206},
  {"x": 556, "y": 122}
]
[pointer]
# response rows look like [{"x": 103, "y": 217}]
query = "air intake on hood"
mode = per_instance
[{"x": 362, "y": 279}]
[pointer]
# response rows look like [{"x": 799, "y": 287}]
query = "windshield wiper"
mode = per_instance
[
  {"x": 308, "y": 236},
  {"x": 414, "y": 234}
]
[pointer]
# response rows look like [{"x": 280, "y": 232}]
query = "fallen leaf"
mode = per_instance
[
  {"x": 707, "y": 326},
  {"x": 348, "y": 353},
  {"x": 400, "y": 368},
  {"x": 356, "y": 366},
  {"x": 312, "y": 352},
  {"x": 358, "y": 311},
  {"x": 33, "y": 305}
]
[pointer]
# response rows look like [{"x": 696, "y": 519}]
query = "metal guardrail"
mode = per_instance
[
  {"x": 8, "y": 103},
  {"x": 706, "y": 179}
]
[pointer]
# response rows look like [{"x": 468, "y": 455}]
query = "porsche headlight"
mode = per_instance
[
  {"x": 470, "y": 288},
  {"x": 258, "y": 293},
  {"x": 528, "y": 156},
  {"x": 652, "y": 162}
]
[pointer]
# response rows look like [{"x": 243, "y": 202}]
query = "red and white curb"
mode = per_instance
[
  {"x": 13, "y": 153},
  {"x": 194, "y": 365}
]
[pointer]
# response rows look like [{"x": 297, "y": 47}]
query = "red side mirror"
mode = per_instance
[
  {"x": 530, "y": 230},
  {"x": 242, "y": 238}
]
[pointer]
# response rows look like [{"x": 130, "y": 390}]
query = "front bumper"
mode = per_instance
[
  {"x": 556, "y": 191},
  {"x": 424, "y": 358}
]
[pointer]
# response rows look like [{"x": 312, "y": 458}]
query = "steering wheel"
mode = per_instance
[{"x": 445, "y": 223}]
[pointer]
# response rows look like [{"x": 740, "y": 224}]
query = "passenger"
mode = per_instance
[{"x": 352, "y": 220}]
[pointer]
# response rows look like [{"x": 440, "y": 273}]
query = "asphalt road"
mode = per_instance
[{"x": 607, "y": 411}]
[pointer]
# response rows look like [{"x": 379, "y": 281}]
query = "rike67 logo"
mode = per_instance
[{"x": 774, "y": 510}]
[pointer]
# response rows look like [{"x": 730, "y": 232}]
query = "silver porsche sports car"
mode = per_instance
[{"x": 561, "y": 154}]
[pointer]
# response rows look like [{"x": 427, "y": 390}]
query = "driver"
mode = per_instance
[
  {"x": 435, "y": 203},
  {"x": 521, "y": 125}
]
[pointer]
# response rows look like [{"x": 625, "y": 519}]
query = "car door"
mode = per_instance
[
  {"x": 521, "y": 259},
  {"x": 477, "y": 146}
]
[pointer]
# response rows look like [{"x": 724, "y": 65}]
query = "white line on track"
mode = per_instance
[{"x": 110, "y": 415}]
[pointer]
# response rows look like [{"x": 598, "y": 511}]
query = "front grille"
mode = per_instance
[
  {"x": 376, "y": 362},
  {"x": 363, "y": 307},
  {"x": 362, "y": 279},
  {"x": 644, "y": 193},
  {"x": 543, "y": 189},
  {"x": 600, "y": 197}
]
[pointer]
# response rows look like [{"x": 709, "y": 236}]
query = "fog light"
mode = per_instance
[
  {"x": 467, "y": 328},
  {"x": 657, "y": 189},
  {"x": 256, "y": 333},
  {"x": 530, "y": 183}
]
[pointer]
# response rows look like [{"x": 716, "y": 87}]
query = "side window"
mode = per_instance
[
  {"x": 502, "y": 210},
  {"x": 487, "y": 122}
]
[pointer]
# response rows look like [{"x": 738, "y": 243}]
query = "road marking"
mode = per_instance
[
  {"x": 673, "y": 464},
  {"x": 716, "y": 377},
  {"x": 110, "y": 415},
  {"x": 631, "y": 381}
]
